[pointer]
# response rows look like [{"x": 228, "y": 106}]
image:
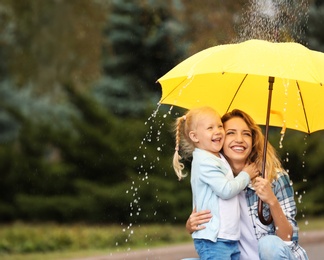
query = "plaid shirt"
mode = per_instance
[{"x": 282, "y": 188}]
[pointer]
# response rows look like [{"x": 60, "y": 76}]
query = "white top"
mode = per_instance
[
  {"x": 229, "y": 212},
  {"x": 248, "y": 243}
]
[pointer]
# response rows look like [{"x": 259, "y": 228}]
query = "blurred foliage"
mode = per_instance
[
  {"x": 80, "y": 136},
  {"x": 314, "y": 33},
  {"x": 138, "y": 48},
  {"x": 301, "y": 157},
  {"x": 48, "y": 42},
  {"x": 211, "y": 23},
  {"x": 19, "y": 238}
]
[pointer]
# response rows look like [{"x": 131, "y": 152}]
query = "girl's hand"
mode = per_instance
[
  {"x": 252, "y": 170},
  {"x": 196, "y": 219}
]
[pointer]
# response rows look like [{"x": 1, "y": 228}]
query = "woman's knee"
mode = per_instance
[
  {"x": 269, "y": 241},
  {"x": 273, "y": 247}
]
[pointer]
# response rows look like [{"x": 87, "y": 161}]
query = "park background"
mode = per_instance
[{"x": 85, "y": 149}]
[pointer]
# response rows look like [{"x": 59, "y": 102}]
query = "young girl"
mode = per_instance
[{"x": 200, "y": 134}]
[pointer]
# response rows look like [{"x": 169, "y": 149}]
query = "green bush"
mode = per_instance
[{"x": 42, "y": 238}]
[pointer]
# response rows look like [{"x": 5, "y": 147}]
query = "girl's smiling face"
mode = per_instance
[{"x": 208, "y": 133}]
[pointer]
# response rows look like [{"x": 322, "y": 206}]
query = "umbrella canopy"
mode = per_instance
[
  {"x": 236, "y": 76},
  {"x": 259, "y": 77}
]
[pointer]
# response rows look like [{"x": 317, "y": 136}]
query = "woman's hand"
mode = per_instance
[
  {"x": 196, "y": 219},
  {"x": 263, "y": 190}
]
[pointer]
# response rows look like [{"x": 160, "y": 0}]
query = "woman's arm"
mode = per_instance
[
  {"x": 196, "y": 219},
  {"x": 284, "y": 229}
]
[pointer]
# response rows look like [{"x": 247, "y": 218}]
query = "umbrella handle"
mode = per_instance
[
  {"x": 260, "y": 202},
  {"x": 260, "y": 214}
]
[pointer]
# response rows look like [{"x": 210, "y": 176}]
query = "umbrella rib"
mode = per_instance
[
  {"x": 238, "y": 89},
  {"x": 301, "y": 98}
]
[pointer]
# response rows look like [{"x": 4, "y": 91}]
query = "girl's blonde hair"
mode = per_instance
[
  {"x": 182, "y": 127},
  {"x": 273, "y": 163}
]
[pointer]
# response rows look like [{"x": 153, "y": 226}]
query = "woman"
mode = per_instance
[{"x": 244, "y": 143}]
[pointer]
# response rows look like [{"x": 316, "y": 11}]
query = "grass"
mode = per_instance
[
  {"x": 51, "y": 241},
  {"x": 21, "y": 241},
  {"x": 310, "y": 224}
]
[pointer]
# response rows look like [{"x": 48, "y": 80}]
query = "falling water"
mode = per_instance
[
  {"x": 274, "y": 20},
  {"x": 300, "y": 194},
  {"x": 134, "y": 206},
  {"x": 152, "y": 135},
  {"x": 300, "y": 197}
]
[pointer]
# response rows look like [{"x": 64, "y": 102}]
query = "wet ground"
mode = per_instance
[{"x": 313, "y": 242}]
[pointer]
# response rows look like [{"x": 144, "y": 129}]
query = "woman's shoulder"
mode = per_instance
[
  {"x": 281, "y": 173},
  {"x": 282, "y": 181}
]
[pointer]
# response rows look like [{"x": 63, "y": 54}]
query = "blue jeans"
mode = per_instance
[
  {"x": 220, "y": 250},
  {"x": 272, "y": 247}
]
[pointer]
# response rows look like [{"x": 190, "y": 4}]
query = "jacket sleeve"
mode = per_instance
[{"x": 213, "y": 173}]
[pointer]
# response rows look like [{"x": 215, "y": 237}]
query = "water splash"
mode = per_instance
[
  {"x": 282, "y": 135},
  {"x": 285, "y": 82},
  {"x": 144, "y": 168},
  {"x": 274, "y": 20}
]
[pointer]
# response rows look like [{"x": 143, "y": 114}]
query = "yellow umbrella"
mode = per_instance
[{"x": 259, "y": 77}]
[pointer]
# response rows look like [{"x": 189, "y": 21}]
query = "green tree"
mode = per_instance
[
  {"x": 300, "y": 155},
  {"x": 26, "y": 145},
  {"x": 70, "y": 159},
  {"x": 314, "y": 35},
  {"x": 49, "y": 42},
  {"x": 142, "y": 42},
  {"x": 96, "y": 170}
]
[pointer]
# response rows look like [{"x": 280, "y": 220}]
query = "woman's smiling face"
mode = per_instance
[{"x": 238, "y": 142}]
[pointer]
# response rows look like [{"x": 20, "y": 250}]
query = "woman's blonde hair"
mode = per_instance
[
  {"x": 273, "y": 163},
  {"x": 184, "y": 145}
]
